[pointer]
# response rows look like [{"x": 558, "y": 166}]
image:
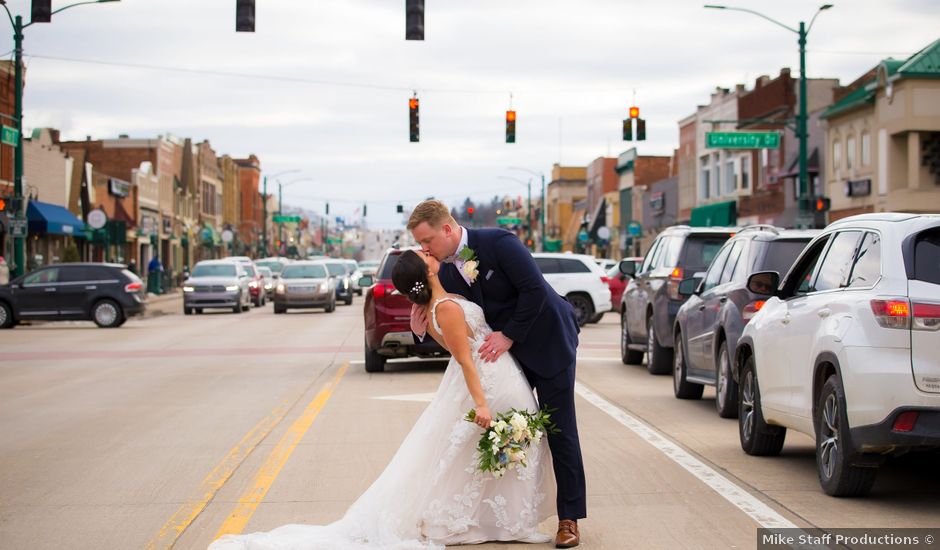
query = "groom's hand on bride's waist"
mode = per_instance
[
  {"x": 494, "y": 346},
  {"x": 419, "y": 321}
]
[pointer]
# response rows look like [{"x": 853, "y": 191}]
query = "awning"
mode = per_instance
[
  {"x": 53, "y": 219},
  {"x": 722, "y": 214},
  {"x": 599, "y": 220}
]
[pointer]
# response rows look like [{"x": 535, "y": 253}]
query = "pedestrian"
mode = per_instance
[{"x": 154, "y": 272}]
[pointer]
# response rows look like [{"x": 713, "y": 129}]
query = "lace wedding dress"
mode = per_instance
[{"x": 431, "y": 493}]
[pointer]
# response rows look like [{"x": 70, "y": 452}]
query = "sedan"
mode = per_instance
[{"x": 306, "y": 285}]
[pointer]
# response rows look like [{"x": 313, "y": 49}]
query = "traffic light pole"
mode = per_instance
[
  {"x": 19, "y": 240},
  {"x": 264, "y": 219}
]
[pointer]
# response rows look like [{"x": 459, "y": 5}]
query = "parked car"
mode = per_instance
[
  {"x": 105, "y": 293},
  {"x": 256, "y": 281},
  {"x": 651, "y": 299},
  {"x": 368, "y": 267},
  {"x": 387, "y": 320},
  {"x": 846, "y": 350},
  {"x": 354, "y": 275},
  {"x": 217, "y": 284},
  {"x": 719, "y": 305},
  {"x": 275, "y": 264},
  {"x": 617, "y": 281},
  {"x": 580, "y": 280},
  {"x": 305, "y": 284},
  {"x": 268, "y": 282},
  {"x": 338, "y": 270}
]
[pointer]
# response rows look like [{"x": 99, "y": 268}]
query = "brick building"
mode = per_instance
[
  {"x": 252, "y": 209},
  {"x": 562, "y": 220},
  {"x": 635, "y": 174}
]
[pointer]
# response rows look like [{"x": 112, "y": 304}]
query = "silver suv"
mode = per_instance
[{"x": 219, "y": 284}]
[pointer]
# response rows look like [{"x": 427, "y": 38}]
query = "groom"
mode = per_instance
[{"x": 492, "y": 268}]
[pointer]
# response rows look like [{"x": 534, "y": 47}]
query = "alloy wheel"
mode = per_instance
[
  {"x": 106, "y": 314},
  {"x": 829, "y": 447},
  {"x": 724, "y": 371},
  {"x": 650, "y": 342},
  {"x": 677, "y": 366},
  {"x": 747, "y": 404}
]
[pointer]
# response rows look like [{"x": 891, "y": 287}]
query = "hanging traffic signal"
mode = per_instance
[
  {"x": 42, "y": 11},
  {"x": 510, "y": 126},
  {"x": 400, "y": 209},
  {"x": 634, "y": 112},
  {"x": 628, "y": 129},
  {"x": 640, "y": 129},
  {"x": 414, "y": 20},
  {"x": 470, "y": 212},
  {"x": 364, "y": 210},
  {"x": 413, "y": 119},
  {"x": 244, "y": 16},
  {"x": 327, "y": 208}
]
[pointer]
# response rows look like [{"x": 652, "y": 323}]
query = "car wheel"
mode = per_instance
[
  {"x": 726, "y": 389},
  {"x": 349, "y": 299},
  {"x": 279, "y": 310},
  {"x": 627, "y": 355},
  {"x": 583, "y": 309},
  {"x": 838, "y": 477},
  {"x": 106, "y": 314},
  {"x": 757, "y": 437},
  {"x": 198, "y": 311},
  {"x": 187, "y": 311},
  {"x": 658, "y": 360},
  {"x": 597, "y": 318},
  {"x": 331, "y": 307},
  {"x": 6, "y": 316},
  {"x": 682, "y": 388},
  {"x": 374, "y": 361}
]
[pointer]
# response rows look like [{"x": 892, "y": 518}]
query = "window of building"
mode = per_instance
[
  {"x": 745, "y": 171},
  {"x": 703, "y": 178},
  {"x": 716, "y": 175},
  {"x": 836, "y": 156},
  {"x": 731, "y": 185},
  {"x": 849, "y": 152},
  {"x": 866, "y": 149}
]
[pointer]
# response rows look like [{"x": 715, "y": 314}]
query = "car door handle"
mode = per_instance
[
  {"x": 701, "y": 307},
  {"x": 91, "y": 287},
  {"x": 723, "y": 299},
  {"x": 50, "y": 289},
  {"x": 824, "y": 312},
  {"x": 786, "y": 319}
]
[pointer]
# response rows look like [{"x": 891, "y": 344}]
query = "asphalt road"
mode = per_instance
[{"x": 174, "y": 429}]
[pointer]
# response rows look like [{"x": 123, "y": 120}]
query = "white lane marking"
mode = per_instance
[
  {"x": 419, "y": 397},
  {"x": 764, "y": 515}
]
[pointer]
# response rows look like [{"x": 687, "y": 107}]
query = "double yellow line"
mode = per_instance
[{"x": 254, "y": 495}]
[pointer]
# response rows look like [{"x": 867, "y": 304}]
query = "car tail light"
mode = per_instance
[
  {"x": 380, "y": 290},
  {"x": 926, "y": 317},
  {"x": 892, "y": 312},
  {"x": 672, "y": 285},
  {"x": 751, "y": 309},
  {"x": 133, "y": 287},
  {"x": 905, "y": 421}
]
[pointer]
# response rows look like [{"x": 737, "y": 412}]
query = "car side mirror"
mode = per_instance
[
  {"x": 628, "y": 268},
  {"x": 365, "y": 281},
  {"x": 764, "y": 282},
  {"x": 692, "y": 285}
]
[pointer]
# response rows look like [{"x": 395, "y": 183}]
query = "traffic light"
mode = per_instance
[
  {"x": 470, "y": 212},
  {"x": 244, "y": 16},
  {"x": 821, "y": 204},
  {"x": 413, "y": 105},
  {"x": 510, "y": 126},
  {"x": 400, "y": 209},
  {"x": 327, "y": 208},
  {"x": 414, "y": 19},
  {"x": 640, "y": 129},
  {"x": 634, "y": 112},
  {"x": 628, "y": 129},
  {"x": 3, "y": 204},
  {"x": 42, "y": 11},
  {"x": 364, "y": 210}
]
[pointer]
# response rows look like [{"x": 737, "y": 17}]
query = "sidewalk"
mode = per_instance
[{"x": 164, "y": 304}]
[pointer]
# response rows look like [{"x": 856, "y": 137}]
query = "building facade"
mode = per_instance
[{"x": 562, "y": 220}]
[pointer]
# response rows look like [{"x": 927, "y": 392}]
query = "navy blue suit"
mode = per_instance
[{"x": 518, "y": 302}]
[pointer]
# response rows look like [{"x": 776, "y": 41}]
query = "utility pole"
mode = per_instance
[{"x": 264, "y": 218}]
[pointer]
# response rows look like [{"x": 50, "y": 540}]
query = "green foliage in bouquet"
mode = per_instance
[{"x": 504, "y": 443}]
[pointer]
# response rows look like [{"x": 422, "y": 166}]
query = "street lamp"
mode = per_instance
[
  {"x": 280, "y": 203},
  {"x": 806, "y": 217},
  {"x": 528, "y": 209},
  {"x": 19, "y": 250},
  {"x": 544, "y": 207},
  {"x": 264, "y": 207}
]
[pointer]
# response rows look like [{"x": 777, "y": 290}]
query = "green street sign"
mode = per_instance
[
  {"x": 334, "y": 240},
  {"x": 742, "y": 140},
  {"x": 508, "y": 221},
  {"x": 286, "y": 219},
  {"x": 9, "y": 136}
]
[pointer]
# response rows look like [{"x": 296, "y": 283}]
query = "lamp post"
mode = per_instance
[
  {"x": 280, "y": 203},
  {"x": 264, "y": 207},
  {"x": 528, "y": 210},
  {"x": 19, "y": 249},
  {"x": 806, "y": 217},
  {"x": 544, "y": 207}
]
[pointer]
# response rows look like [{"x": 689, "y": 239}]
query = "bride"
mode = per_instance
[{"x": 431, "y": 493}]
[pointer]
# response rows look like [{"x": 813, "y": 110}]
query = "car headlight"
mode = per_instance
[
  {"x": 188, "y": 289},
  {"x": 232, "y": 288},
  {"x": 324, "y": 287},
  {"x": 268, "y": 286},
  {"x": 280, "y": 289}
]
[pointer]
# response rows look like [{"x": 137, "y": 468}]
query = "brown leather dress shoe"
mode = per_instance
[{"x": 567, "y": 536}]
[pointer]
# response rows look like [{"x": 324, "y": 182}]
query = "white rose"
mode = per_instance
[{"x": 470, "y": 269}]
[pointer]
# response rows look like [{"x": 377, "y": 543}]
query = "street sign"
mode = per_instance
[
  {"x": 742, "y": 140},
  {"x": 634, "y": 228},
  {"x": 334, "y": 240},
  {"x": 508, "y": 221},
  {"x": 286, "y": 219},
  {"x": 97, "y": 218},
  {"x": 9, "y": 136},
  {"x": 18, "y": 227},
  {"x": 227, "y": 236}
]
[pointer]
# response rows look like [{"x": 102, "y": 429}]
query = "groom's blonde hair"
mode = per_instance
[{"x": 434, "y": 212}]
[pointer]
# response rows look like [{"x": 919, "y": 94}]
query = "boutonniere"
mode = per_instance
[{"x": 470, "y": 263}]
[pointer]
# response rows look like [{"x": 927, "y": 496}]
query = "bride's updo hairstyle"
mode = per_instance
[{"x": 410, "y": 277}]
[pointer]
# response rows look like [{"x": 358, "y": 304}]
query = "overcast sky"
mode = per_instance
[{"x": 324, "y": 85}]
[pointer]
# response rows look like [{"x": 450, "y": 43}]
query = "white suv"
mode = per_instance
[
  {"x": 580, "y": 280},
  {"x": 848, "y": 350}
]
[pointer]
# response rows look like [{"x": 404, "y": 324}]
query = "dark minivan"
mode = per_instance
[
  {"x": 719, "y": 306},
  {"x": 107, "y": 294},
  {"x": 652, "y": 300}
]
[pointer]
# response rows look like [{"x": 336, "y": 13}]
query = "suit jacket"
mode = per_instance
[{"x": 518, "y": 302}]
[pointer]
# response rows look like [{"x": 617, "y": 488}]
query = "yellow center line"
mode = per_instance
[
  {"x": 249, "y": 501},
  {"x": 188, "y": 512}
]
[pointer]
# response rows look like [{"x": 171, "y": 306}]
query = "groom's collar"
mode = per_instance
[{"x": 460, "y": 246}]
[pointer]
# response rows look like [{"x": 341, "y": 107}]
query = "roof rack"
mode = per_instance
[{"x": 761, "y": 227}]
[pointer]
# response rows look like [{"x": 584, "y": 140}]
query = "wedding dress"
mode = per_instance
[{"x": 431, "y": 493}]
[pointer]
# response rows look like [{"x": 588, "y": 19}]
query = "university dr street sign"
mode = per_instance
[{"x": 742, "y": 140}]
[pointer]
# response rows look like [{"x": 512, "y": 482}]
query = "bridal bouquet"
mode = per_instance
[{"x": 504, "y": 444}]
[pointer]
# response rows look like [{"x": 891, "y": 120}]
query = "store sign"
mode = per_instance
[
  {"x": 658, "y": 202},
  {"x": 858, "y": 188},
  {"x": 119, "y": 188}
]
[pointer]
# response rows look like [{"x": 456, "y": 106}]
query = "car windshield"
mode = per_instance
[
  {"x": 369, "y": 263},
  {"x": 700, "y": 251},
  {"x": 352, "y": 265},
  {"x": 781, "y": 255},
  {"x": 273, "y": 265},
  {"x": 265, "y": 272},
  {"x": 336, "y": 269},
  {"x": 304, "y": 272},
  {"x": 250, "y": 269},
  {"x": 213, "y": 270},
  {"x": 388, "y": 266}
]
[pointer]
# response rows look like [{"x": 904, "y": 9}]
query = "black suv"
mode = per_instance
[
  {"x": 104, "y": 293},
  {"x": 719, "y": 306},
  {"x": 651, "y": 300}
]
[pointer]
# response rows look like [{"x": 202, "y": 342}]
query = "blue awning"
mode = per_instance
[{"x": 52, "y": 219}]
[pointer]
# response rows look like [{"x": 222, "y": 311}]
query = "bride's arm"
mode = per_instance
[{"x": 454, "y": 330}]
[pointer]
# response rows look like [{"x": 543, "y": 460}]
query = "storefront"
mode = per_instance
[
  {"x": 50, "y": 228},
  {"x": 719, "y": 214}
]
